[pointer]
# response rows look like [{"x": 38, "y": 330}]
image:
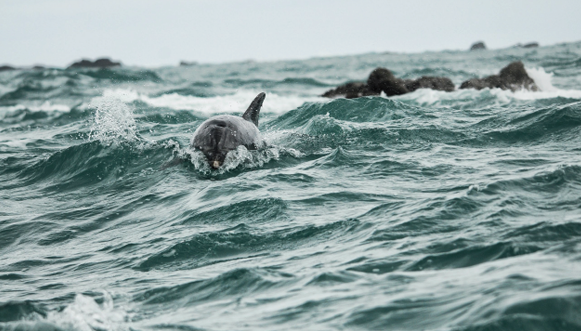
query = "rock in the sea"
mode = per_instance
[
  {"x": 383, "y": 80},
  {"x": 6, "y": 68},
  {"x": 434, "y": 83},
  {"x": 530, "y": 45},
  {"x": 187, "y": 63},
  {"x": 350, "y": 90},
  {"x": 478, "y": 45},
  {"x": 99, "y": 63},
  {"x": 482, "y": 83},
  {"x": 512, "y": 77}
]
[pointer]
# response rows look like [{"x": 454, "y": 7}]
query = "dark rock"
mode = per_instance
[
  {"x": 482, "y": 83},
  {"x": 6, "y": 68},
  {"x": 515, "y": 77},
  {"x": 350, "y": 91},
  {"x": 187, "y": 64},
  {"x": 99, "y": 63},
  {"x": 512, "y": 77},
  {"x": 477, "y": 46},
  {"x": 382, "y": 79},
  {"x": 530, "y": 45},
  {"x": 38, "y": 68},
  {"x": 434, "y": 83}
]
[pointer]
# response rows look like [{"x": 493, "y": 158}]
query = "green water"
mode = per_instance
[{"x": 427, "y": 211}]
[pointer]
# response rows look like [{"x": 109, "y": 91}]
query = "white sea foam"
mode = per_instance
[
  {"x": 241, "y": 157},
  {"x": 234, "y": 159},
  {"x": 506, "y": 96},
  {"x": 237, "y": 102},
  {"x": 428, "y": 96},
  {"x": 46, "y": 106},
  {"x": 113, "y": 121},
  {"x": 546, "y": 89},
  {"x": 541, "y": 78},
  {"x": 85, "y": 314}
]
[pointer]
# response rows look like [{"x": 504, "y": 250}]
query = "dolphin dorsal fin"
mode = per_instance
[{"x": 251, "y": 114}]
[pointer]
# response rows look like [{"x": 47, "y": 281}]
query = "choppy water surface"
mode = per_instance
[{"x": 428, "y": 211}]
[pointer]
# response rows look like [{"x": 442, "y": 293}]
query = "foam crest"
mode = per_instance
[
  {"x": 506, "y": 96},
  {"x": 545, "y": 85},
  {"x": 539, "y": 75},
  {"x": 47, "y": 106},
  {"x": 241, "y": 157},
  {"x": 541, "y": 78},
  {"x": 428, "y": 96},
  {"x": 113, "y": 121},
  {"x": 237, "y": 102},
  {"x": 85, "y": 314}
]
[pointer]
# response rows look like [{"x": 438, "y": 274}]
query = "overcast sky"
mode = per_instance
[{"x": 155, "y": 33}]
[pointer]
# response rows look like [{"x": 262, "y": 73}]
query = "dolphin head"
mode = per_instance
[
  {"x": 221, "y": 134},
  {"x": 214, "y": 142}
]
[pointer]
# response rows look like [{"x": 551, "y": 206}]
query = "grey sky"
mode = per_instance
[{"x": 153, "y": 33}]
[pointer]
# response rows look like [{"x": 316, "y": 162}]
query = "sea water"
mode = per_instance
[{"x": 426, "y": 211}]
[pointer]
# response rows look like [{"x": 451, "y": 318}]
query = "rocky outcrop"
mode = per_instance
[
  {"x": 434, "y": 83},
  {"x": 99, "y": 63},
  {"x": 478, "y": 46},
  {"x": 512, "y": 77},
  {"x": 6, "y": 68},
  {"x": 350, "y": 90},
  {"x": 383, "y": 80}
]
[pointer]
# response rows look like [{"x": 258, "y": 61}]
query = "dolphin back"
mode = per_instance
[{"x": 251, "y": 114}]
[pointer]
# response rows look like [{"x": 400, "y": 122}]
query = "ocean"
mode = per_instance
[{"x": 426, "y": 211}]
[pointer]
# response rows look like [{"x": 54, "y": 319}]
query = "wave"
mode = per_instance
[
  {"x": 545, "y": 182},
  {"x": 430, "y": 210},
  {"x": 20, "y": 113},
  {"x": 234, "y": 103},
  {"x": 87, "y": 164},
  {"x": 83, "y": 314},
  {"x": 241, "y": 241},
  {"x": 366, "y": 109},
  {"x": 543, "y": 124},
  {"x": 266, "y": 84},
  {"x": 120, "y": 75}
]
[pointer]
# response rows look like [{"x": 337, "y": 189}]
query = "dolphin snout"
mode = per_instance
[{"x": 216, "y": 164}]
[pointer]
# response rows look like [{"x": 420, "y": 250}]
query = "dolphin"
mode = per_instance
[{"x": 224, "y": 133}]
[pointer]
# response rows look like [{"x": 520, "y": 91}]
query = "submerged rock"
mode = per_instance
[
  {"x": 6, "y": 68},
  {"x": 99, "y": 63},
  {"x": 383, "y": 80},
  {"x": 512, "y": 77},
  {"x": 477, "y": 46}
]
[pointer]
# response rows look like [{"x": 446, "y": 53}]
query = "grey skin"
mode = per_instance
[{"x": 221, "y": 134}]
